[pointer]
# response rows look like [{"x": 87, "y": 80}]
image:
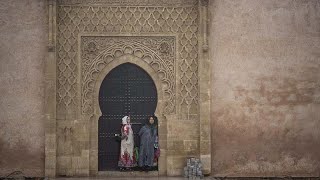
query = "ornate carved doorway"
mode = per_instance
[
  {"x": 90, "y": 38},
  {"x": 126, "y": 90}
]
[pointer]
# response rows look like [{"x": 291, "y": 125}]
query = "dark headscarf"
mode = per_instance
[{"x": 154, "y": 125}]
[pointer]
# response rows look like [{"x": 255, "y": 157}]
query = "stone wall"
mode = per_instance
[
  {"x": 266, "y": 87},
  {"x": 23, "y": 43}
]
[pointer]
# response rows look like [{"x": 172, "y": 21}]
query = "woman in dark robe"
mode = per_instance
[{"x": 148, "y": 143}]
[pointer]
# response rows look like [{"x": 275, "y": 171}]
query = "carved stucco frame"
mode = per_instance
[
  {"x": 97, "y": 112},
  {"x": 51, "y": 104},
  {"x": 162, "y": 116}
]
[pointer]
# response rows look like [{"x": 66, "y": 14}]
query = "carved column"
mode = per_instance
[
  {"x": 50, "y": 95},
  {"x": 204, "y": 79}
]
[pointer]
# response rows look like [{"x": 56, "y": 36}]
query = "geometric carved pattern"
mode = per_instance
[
  {"x": 90, "y": 18},
  {"x": 131, "y": 2},
  {"x": 157, "y": 51}
]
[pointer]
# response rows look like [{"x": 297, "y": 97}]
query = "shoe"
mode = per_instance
[
  {"x": 145, "y": 168},
  {"x": 148, "y": 168},
  {"x": 141, "y": 168}
]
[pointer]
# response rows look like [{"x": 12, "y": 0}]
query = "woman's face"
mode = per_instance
[
  {"x": 128, "y": 119},
  {"x": 151, "y": 120}
]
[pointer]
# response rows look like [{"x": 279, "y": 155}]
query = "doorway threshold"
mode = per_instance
[{"x": 128, "y": 174}]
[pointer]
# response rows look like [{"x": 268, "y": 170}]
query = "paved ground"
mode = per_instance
[
  {"x": 151, "y": 176},
  {"x": 128, "y": 178},
  {"x": 181, "y": 178}
]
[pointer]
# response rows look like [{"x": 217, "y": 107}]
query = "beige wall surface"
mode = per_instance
[
  {"x": 23, "y": 43},
  {"x": 266, "y": 87}
]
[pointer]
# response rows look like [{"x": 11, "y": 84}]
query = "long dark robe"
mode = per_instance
[{"x": 147, "y": 141}]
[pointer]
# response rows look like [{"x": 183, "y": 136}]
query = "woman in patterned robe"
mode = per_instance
[{"x": 126, "y": 159}]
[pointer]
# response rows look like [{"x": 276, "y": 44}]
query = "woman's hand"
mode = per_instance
[{"x": 124, "y": 137}]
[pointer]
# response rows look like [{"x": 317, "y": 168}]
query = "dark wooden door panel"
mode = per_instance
[{"x": 126, "y": 90}]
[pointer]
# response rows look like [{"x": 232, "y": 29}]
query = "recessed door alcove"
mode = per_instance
[{"x": 126, "y": 90}]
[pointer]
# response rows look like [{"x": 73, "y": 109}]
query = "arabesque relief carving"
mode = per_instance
[
  {"x": 157, "y": 51},
  {"x": 131, "y": 2},
  {"x": 75, "y": 19},
  {"x": 89, "y": 38}
]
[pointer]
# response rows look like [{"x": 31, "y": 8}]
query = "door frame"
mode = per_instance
[
  {"x": 113, "y": 127},
  {"x": 67, "y": 122},
  {"x": 93, "y": 156}
]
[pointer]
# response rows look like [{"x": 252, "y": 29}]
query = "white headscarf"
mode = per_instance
[{"x": 124, "y": 120}]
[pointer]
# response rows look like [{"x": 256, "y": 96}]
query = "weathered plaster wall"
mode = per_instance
[
  {"x": 22, "y": 52},
  {"x": 266, "y": 87}
]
